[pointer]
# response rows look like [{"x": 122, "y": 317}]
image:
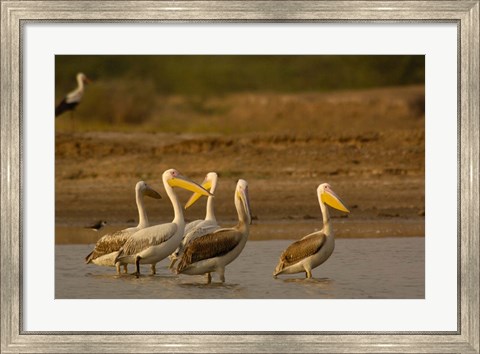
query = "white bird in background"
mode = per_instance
[
  {"x": 199, "y": 228},
  {"x": 108, "y": 246},
  {"x": 315, "y": 248},
  {"x": 73, "y": 98},
  {"x": 152, "y": 244},
  {"x": 213, "y": 252}
]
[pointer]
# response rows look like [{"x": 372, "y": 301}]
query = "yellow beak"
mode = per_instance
[
  {"x": 243, "y": 195},
  {"x": 196, "y": 196},
  {"x": 331, "y": 199},
  {"x": 185, "y": 183}
]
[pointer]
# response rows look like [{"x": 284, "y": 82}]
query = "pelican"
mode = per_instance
[
  {"x": 152, "y": 244},
  {"x": 315, "y": 248},
  {"x": 107, "y": 247},
  {"x": 213, "y": 252},
  {"x": 73, "y": 98},
  {"x": 199, "y": 228}
]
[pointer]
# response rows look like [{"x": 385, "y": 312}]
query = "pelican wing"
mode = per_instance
[
  {"x": 191, "y": 225},
  {"x": 209, "y": 246},
  {"x": 109, "y": 243},
  {"x": 150, "y": 236},
  {"x": 302, "y": 248},
  {"x": 204, "y": 228}
]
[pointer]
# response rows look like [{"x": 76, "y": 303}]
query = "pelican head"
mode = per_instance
[
  {"x": 209, "y": 183},
  {"x": 82, "y": 77},
  {"x": 174, "y": 179},
  {"x": 145, "y": 189},
  {"x": 241, "y": 196},
  {"x": 327, "y": 195}
]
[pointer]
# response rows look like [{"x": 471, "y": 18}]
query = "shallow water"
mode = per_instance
[{"x": 378, "y": 268}]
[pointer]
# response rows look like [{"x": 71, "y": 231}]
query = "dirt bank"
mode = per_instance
[{"x": 373, "y": 161}]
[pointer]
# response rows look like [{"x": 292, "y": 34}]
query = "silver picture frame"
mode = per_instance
[{"x": 16, "y": 13}]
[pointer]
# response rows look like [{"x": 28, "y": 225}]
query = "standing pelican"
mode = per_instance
[
  {"x": 152, "y": 244},
  {"x": 73, "y": 98},
  {"x": 213, "y": 252},
  {"x": 107, "y": 247},
  {"x": 315, "y": 248},
  {"x": 199, "y": 228}
]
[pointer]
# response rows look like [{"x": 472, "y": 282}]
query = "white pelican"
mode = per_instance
[
  {"x": 73, "y": 98},
  {"x": 98, "y": 225},
  {"x": 107, "y": 247},
  {"x": 199, "y": 228},
  {"x": 212, "y": 252},
  {"x": 152, "y": 244},
  {"x": 315, "y": 248}
]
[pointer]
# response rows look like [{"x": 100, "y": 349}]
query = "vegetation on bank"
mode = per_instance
[{"x": 131, "y": 91}]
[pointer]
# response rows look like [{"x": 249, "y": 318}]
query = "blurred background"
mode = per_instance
[
  {"x": 283, "y": 123},
  {"x": 196, "y": 93}
]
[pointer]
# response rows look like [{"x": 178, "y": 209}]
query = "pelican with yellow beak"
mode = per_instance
[
  {"x": 152, "y": 244},
  {"x": 198, "y": 228},
  {"x": 213, "y": 252},
  {"x": 315, "y": 248}
]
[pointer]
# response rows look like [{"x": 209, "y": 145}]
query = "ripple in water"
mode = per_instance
[{"x": 388, "y": 268}]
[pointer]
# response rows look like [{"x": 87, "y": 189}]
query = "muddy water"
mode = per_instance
[{"x": 379, "y": 268}]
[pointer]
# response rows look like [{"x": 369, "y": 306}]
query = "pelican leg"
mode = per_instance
[
  {"x": 308, "y": 273},
  {"x": 172, "y": 262},
  {"x": 137, "y": 265},
  {"x": 209, "y": 278},
  {"x": 125, "y": 271},
  {"x": 152, "y": 268},
  {"x": 117, "y": 265},
  {"x": 221, "y": 273}
]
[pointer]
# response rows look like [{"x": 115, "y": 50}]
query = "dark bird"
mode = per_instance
[
  {"x": 97, "y": 226},
  {"x": 72, "y": 99}
]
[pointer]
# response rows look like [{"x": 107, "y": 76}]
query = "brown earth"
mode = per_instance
[{"x": 369, "y": 145}]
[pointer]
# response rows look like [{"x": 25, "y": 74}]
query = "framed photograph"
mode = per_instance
[{"x": 338, "y": 145}]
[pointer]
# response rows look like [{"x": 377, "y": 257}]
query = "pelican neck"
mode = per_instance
[
  {"x": 210, "y": 214},
  {"x": 177, "y": 208},
  {"x": 142, "y": 214}
]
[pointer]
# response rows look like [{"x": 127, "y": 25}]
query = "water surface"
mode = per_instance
[{"x": 376, "y": 268}]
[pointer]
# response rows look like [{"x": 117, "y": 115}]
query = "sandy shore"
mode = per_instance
[{"x": 375, "y": 165}]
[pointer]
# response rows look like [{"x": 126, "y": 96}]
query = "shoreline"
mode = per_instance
[{"x": 281, "y": 230}]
